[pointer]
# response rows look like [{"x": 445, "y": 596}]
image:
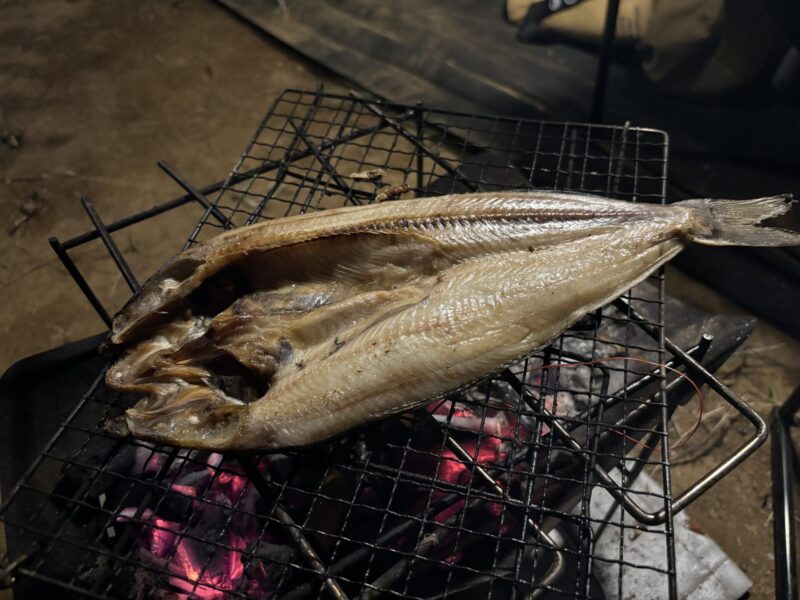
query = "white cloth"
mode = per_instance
[{"x": 704, "y": 571}]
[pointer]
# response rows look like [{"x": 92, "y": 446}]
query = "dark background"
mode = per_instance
[{"x": 94, "y": 93}]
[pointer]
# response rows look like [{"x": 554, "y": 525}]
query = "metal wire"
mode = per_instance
[{"x": 489, "y": 494}]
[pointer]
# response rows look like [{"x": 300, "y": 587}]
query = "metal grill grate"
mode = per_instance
[{"x": 503, "y": 490}]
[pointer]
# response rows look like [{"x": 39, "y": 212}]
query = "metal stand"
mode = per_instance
[
  {"x": 784, "y": 465},
  {"x": 604, "y": 62},
  {"x": 594, "y": 443}
]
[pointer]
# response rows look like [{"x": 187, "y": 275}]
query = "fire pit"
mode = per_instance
[{"x": 485, "y": 493}]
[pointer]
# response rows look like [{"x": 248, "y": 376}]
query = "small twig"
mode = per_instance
[
  {"x": 677, "y": 429},
  {"x": 28, "y": 209},
  {"x": 368, "y": 175},
  {"x": 11, "y": 137},
  {"x": 716, "y": 434},
  {"x": 766, "y": 348}
]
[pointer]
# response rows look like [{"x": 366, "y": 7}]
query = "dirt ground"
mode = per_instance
[
  {"x": 737, "y": 512},
  {"x": 93, "y": 93}
]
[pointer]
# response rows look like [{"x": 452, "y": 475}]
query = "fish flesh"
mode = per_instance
[{"x": 288, "y": 332}]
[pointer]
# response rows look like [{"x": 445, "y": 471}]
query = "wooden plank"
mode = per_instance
[
  {"x": 421, "y": 54},
  {"x": 461, "y": 55}
]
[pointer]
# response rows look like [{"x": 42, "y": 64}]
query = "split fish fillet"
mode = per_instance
[{"x": 286, "y": 333}]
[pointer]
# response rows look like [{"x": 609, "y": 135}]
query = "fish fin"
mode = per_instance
[
  {"x": 117, "y": 426},
  {"x": 735, "y": 222}
]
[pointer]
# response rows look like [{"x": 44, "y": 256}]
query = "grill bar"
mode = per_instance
[
  {"x": 194, "y": 193},
  {"x": 112, "y": 248},
  {"x": 305, "y": 547},
  {"x": 384, "y": 509},
  {"x": 83, "y": 285},
  {"x": 423, "y": 151}
]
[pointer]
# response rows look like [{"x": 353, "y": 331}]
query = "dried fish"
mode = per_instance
[{"x": 291, "y": 331}]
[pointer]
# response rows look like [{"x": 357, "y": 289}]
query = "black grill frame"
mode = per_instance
[{"x": 299, "y": 156}]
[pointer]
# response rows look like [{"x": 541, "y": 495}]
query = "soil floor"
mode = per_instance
[{"x": 94, "y": 93}]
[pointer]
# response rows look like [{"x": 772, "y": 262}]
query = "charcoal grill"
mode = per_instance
[{"x": 488, "y": 493}]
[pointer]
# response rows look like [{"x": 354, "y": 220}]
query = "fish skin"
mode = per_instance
[
  {"x": 474, "y": 221},
  {"x": 358, "y": 313}
]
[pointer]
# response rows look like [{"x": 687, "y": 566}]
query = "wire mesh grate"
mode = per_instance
[{"x": 490, "y": 492}]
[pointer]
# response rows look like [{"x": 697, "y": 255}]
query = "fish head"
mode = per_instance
[
  {"x": 196, "y": 418},
  {"x": 179, "y": 277}
]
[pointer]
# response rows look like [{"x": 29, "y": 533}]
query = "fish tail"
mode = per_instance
[{"x": 736, "y": 222}]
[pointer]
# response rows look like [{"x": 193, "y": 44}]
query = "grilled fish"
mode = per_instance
[{"x": 286, "y": 333}]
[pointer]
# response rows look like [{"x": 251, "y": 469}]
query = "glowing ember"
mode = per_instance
[
  {"x": 204, "y": 563},
  {"x": 210, "y": 554}
]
